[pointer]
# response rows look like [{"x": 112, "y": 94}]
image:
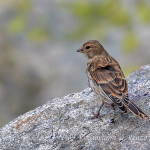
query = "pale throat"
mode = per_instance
[{"x": 93, "y": 53}]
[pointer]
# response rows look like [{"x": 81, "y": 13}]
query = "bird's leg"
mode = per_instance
[
  {"x": 97, "y": 115},
  {"x": 112, "y": 105},
  {"x": 112, "y": 120}
]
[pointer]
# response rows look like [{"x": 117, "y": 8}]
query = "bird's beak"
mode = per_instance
[{"x": 80, "y": 50}]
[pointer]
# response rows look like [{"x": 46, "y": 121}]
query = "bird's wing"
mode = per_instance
[{"x": 107, "y": 74}]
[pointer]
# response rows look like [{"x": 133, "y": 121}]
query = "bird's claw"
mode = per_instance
[{"x": 97, "y": 115}]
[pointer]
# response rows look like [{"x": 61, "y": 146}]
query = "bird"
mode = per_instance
[{"x": 107, "y": 80}]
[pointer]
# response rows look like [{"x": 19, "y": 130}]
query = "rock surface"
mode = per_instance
[{"x": 63, "y": 123}]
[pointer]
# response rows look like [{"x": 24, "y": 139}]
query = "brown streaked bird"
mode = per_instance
[{"x": 106, "y": 79}]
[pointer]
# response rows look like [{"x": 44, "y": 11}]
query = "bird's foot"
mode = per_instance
[{"x": 97, "y": 115}]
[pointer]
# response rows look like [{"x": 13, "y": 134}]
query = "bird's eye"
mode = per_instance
[{"x": 87, "y": 47}]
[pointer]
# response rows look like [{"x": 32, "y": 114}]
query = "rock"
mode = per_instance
[{"x": 64, "y": 123}]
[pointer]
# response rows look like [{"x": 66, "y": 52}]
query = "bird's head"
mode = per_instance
[{"x": 92, "y": 48}]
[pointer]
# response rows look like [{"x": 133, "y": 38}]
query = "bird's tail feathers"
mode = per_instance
[{"x": 136, "y": 110}]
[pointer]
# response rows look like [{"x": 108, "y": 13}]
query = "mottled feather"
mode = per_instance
[{"x": 109, "y": 76}]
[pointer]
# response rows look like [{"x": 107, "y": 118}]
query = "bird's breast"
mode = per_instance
[{"x": 97, "y": 88}]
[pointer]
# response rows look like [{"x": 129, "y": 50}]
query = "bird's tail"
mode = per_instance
[{"x": 136, "y": 110}]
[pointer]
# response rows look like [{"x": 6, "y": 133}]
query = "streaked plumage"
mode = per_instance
[{"x": 106, "y": 78}]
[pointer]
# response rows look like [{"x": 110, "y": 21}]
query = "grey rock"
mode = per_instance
[{"x": 64, "y": 123}]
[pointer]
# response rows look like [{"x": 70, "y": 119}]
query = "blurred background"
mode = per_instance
[{"x": 39, "y": 39}]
